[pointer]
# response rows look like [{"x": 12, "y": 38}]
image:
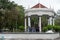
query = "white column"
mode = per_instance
[
  {"x": 25, "y": 25},
  {"x": 50, "y": 20},
  {"x": 40, "y": 23},
  {"x": 29, "y": 24},
  {"x": 53, "y": 21}
]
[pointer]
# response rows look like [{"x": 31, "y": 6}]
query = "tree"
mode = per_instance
[
  {"x": 34, "y": 20},
  {"x": 20, "y": 9},
  {"x": 57, "y": 18},
  {"x": 20, "y": 21},
  {"x": 44, "y": 20},
  {"x": 11, "y": 14},
  {"x": 58, "y": 12}
]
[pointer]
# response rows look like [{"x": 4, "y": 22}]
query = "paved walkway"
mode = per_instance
[
  {"x": 30, "y": 36},
  {"x": 30, "y": 39}
]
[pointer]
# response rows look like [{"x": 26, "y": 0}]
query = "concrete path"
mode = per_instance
[{"x": 29, "y": 36}]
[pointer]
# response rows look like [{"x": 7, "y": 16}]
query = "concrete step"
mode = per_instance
[{"x": 57, "y": 38}]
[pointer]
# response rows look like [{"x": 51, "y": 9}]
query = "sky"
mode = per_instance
[{"x": 54, "y": 4}]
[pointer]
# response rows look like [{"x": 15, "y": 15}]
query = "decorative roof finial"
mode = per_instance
[
  {"x": 28, "y": 6},
  {"x": 39, "y": 3},
  {"x": 50, "y": 6}
]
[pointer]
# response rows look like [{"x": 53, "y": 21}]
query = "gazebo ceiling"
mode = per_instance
[{"x": 39, "y": 6}]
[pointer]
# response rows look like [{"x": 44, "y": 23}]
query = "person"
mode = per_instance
[
  {"x": 0, "y": 30},
  {"x": 37, "y": 29},
  {"x": 33, "y": 29},
  {"x": 29, "y": 29}
]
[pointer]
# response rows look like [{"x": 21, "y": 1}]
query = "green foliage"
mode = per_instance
[
  {"x": 44, "y": 20},
  {"x": 45, "y": 29},
  {"x": 20, "y": 10},
  {"x": 56, "y": 28},
  {"x": 6, "y": 4},
  {"x": 21, "y": 28},
  {"x": 50, "y": 27},
  {"x": 34, "y": 20},
  {"x": 11, "y": 15},
  {"x": 57, "y": 21}
]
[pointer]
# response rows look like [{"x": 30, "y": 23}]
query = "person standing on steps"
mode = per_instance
[{"x": 33, "y": 29}]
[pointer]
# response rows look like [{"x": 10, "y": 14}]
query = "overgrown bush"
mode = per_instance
[
  {"x": 21, "y": 28},
  {"x": 45, "y": 29},
  {"x": 56, "y": 28},
  {"x": 50, "y": 27}
]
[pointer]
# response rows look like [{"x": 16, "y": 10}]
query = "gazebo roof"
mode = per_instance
[{"x": 39, "y": 6}]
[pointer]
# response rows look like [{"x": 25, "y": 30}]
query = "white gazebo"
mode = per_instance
[{"x": 39, "y": 10}]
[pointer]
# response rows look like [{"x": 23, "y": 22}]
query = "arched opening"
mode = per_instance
[
  {"x": 44, "y": 21},
  {"x": 34, "y": 22}
]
